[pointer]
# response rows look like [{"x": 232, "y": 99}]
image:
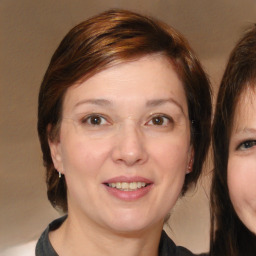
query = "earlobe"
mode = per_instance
[
  {"x": 54, "y": 145},
  {"x": 56, "y": 155},
  {"x": 190, "y": 161}
]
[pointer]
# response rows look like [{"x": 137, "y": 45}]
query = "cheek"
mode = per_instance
[
  {"x": 85, "y": 156},
  {"x": 241, "y": 181},
  {"x": 171, "y": 155}
]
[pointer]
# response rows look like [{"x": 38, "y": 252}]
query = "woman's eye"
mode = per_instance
[
  {"x": 159, "y": 121},
  {"x": 247, "y": 144},
  {"x": 94, "y": 120}
]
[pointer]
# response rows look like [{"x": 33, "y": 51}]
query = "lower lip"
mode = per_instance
[{"x": 129, "y": 195}]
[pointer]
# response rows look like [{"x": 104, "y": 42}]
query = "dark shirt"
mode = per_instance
[{"x": 166, "y": 246}]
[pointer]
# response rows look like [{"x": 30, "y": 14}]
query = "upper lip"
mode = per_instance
[{"x": 128, "y": 179}]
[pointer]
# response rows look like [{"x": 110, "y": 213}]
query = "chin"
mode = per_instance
[
  {"x": 129, "y": 229},
  {"x": 130, "y": 224}
]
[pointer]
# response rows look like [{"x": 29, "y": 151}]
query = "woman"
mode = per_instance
[
  {"x": 233, "y": 193},
  {"x": 123, "y": 120}
]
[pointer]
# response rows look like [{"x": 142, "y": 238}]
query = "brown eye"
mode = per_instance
[
  {"x": 94, "y": 120},
  {"x": 159, "y": 120}
]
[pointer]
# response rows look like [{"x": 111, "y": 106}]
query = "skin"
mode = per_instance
[
  {"x": 242, "y": 160},
  {"x": 142, "y": 132}
]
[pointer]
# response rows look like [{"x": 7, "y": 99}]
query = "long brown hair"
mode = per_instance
[
  {"x": 229, "y": 236},
  {"x": 107, "y": 39}
]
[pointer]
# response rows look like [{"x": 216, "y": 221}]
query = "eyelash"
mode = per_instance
[{"x": 246, "y": 145}]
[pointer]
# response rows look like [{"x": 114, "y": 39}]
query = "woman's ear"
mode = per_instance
[
  {"x": 55, "y": 148},
  {"x": 190, "y": 160}
]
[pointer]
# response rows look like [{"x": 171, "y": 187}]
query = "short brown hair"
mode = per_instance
[
  {"x": 102, "y": 41},
  {"x": 229, "y": 236}
]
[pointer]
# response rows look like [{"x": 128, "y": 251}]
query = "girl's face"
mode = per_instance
[
  {"x": 242, "y": 160},
  {"x": 124, "y": 145}
]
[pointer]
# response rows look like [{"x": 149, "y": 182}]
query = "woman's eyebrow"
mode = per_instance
[
  {"x": 100, "y": 102},
  {"x": 149, "y": 103},
  {"x": 159, "y": 102}
]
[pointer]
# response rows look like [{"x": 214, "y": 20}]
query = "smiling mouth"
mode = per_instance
[{"x": 127, "y": 186}]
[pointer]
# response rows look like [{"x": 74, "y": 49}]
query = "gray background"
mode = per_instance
[{"x": 30, "y": 31}]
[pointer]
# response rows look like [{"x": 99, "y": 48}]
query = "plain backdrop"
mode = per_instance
[{"x": 30, "y": 31}]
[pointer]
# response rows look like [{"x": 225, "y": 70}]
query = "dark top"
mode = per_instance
[{"x": 166, "y": 246}]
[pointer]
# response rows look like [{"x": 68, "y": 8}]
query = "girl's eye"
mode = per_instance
[
  {"x": 247, "y": 144},
  {"x": 159, "y": 121},
  {"x": 94, "y": 120}
]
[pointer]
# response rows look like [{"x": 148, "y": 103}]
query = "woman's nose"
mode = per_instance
[{"x": 130, "y": 146}]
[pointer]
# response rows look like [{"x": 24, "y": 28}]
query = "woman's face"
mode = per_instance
[
  {"x": 124, "y": 145},
  {"x": 242, "y": 160}
]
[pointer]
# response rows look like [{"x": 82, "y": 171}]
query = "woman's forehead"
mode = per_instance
[{"x": 148, "y": 78}]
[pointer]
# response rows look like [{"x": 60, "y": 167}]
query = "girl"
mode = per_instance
[{"x": 233, "y": 192}]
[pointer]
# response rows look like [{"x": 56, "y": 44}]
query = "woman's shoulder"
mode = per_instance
[
  {"x": 168, "y": 247},
  {"x": 43, "y": 246}
]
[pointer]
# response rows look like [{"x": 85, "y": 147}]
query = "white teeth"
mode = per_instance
[
  {"x": 127, "y": 186},
  {"x": 132, "y": 185},
  {"x": 124, "y": 185}
]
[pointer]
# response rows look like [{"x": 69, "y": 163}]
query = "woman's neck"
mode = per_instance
[{"x": 78, "y": 238}]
